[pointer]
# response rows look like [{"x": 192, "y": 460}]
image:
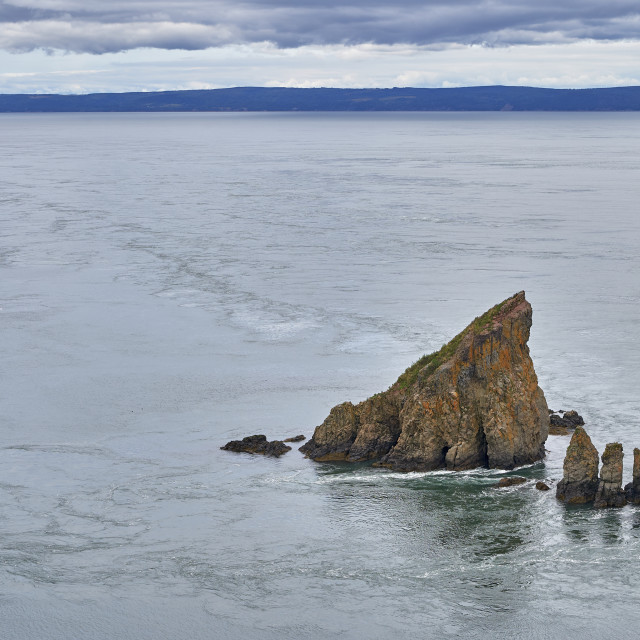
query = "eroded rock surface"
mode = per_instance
[
  {"x": 257, "y": 444},
  {"x": 610, "y": 492},
  {"x": 475, "y": 402},
  {"x": 579, "y": 483},
  {"x": 632, "y": 490}
]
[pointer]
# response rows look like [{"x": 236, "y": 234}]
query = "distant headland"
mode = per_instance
[{"x": 493, "y": 98}]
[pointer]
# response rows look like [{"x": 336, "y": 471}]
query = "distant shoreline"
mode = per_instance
[{"x": 256, "y": 99}]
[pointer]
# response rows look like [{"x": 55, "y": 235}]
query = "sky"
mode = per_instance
[{"x": 87, "y": 46}]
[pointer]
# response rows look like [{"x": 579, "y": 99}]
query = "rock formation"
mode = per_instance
[
  {"x": 562, "y": 425},
  {"x": 632, "y": 490},
  {"x": 580, "y": 479},
  {"x": 257, "y": 444},
  {"x": 610, "y": 492},
  {"x": 542, "y": 486},
  {"x": 299, "y": 438},
  {"x": 509, "y": 481},
  {"x": 475, "y": 402}
]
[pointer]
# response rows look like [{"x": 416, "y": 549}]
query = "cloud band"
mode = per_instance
[{"x": 98, "y": 26}]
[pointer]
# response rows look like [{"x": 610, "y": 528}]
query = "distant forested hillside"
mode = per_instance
[{"x": 496, "y": 98}]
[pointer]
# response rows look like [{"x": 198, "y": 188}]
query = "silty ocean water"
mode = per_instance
[{"x": 172, "y": 281}]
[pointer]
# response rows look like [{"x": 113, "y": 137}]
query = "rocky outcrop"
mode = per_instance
[
  {"x": 542, "y": 486},
  {"x": 580, "y": 479},
  {"x": 475, "y": 402},
  {"x": 357, "y": 432},
  {"x": 299, "y": 438},
  {"x": 562, "y": 425},
  {"x": 610, "y": 492},
  {"x": 572, "y": 419},
  {"x": 509, "y": 481},
  {"x": 632, "y": 490},
  {"x": 257, "y": 444}
]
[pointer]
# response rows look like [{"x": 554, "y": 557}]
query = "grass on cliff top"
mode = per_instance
[{"x": 437, "y": 358}]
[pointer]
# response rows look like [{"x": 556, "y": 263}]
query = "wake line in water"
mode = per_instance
[{"x": 64, "y": 448}]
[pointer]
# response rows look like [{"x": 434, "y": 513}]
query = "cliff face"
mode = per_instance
[{"x": 475, "y": 402}]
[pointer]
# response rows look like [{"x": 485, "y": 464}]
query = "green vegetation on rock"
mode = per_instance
[
  {"x": 473, "y": 403},
  {"x": 433, "y": 360}
]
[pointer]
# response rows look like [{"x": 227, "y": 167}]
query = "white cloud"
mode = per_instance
[{"x": 580, "y": 64}]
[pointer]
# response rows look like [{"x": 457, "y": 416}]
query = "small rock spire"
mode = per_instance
[
  {"x": 610, "y": 492},
  {"x": 580, "y": 478}
]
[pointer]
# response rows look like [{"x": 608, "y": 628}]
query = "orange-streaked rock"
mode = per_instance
[
  {"x": 580, "y": 478},
  {"x": 610, "y": 492},
  {"x": 475, "y": 402}
]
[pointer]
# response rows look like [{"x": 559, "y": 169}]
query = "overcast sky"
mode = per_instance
[{"x": 82, "y": 46}]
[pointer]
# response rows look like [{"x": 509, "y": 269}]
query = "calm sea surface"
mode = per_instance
[{"x": 170, "y": 282}]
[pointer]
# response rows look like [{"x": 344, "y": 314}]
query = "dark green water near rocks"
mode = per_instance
[{"x": 171, "y": 282}]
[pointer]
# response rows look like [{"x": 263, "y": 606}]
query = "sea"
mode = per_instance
[{"x": 169, "y": 282}]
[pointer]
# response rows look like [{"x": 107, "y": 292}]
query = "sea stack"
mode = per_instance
[
  {"x": 579, "y": 483},
  {"x": 474, "y": 403},
  {"x": 632, "y": 490},
  {"x": 610, "y": 492}
]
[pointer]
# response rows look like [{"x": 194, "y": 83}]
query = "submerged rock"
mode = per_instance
[
  {"x": 475, "y": 402},
  {"x": 257, "y": 444},
  {"x": 632, "y": 490},
  {"x": 580, "y": 479},
  {"x": 299, "y": 438},
  {"x": 555, "y": 430},
  {"x": 510, "y": 481},
  {"x": 610, "y": 492}
]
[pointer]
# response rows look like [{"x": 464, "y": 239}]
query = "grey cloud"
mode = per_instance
[{"x": 99, "y": 26}]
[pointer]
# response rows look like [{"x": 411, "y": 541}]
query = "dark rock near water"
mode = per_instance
[
  {"x": 510, "y": 481},
  {"x": 572, "y": 419},
  {"x": 542, "y": 486},
  {"x": 579, "y": 483},
  {"x": 610, "y": 492},
  {"x": 257, "y": 444},
  {"x": 632, "y": 490},
  {"x": 475, "y": 402},
  {"x": 299, "y": 438},
  {"x": 562, "y": 425}
]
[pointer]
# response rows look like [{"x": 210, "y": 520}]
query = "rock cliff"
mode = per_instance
[
  {"x": 475, "y": 402},
  {"x": 580, "y": 480}
]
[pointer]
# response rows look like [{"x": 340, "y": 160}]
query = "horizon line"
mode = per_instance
[{"x": 396, "y": 88}]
